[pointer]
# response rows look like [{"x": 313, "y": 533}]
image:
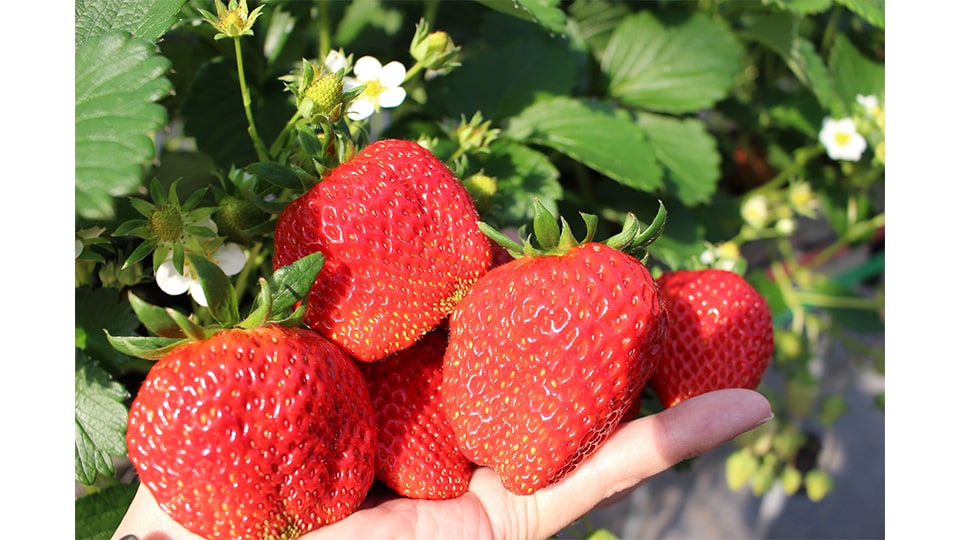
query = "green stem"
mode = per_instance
[
  {"x": 324, "y": 29},
  {"x": 261, "y": 149},
  {"x": 829, "y": 31},
  {"x": 858, "y": 230},
  {"x": 827, "y": 301},
  {"x": 291, "y": 123},
  {"x": 412, "y": 72}
]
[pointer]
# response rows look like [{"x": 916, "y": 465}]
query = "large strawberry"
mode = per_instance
[
  {"x": 417, "y": 454},
  {"x": 547, "y": 352},
  {"x": 402, "y": 246},
  {"x": 721, "y": 335},
  {"x": 253, "y": 431}
]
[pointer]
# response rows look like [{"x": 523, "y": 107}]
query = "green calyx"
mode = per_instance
[
  {"x": 552, "y": 238},
  {"x": 169, "y": 226},
  {"x": 280, "y": 301}
]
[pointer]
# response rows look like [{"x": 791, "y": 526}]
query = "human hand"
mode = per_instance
[{"x": 637, "y": 451}]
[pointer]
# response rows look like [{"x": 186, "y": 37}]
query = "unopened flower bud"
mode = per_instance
[{"x": 435, "y": 51}]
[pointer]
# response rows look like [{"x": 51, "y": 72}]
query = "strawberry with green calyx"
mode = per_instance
[
  {"x": 417, "y": 454},
  {"x": 400, "y": 236},
  {"x": 255, "y": 429},
  {"x": 547, "y": 352},
  {"x": 721, "y": 334}
]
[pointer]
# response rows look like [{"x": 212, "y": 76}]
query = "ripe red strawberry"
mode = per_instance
[
  {"x": 259, "y": 433},
  {"x": 546, "y": 354},
  {"x": 417, "y": 454},
  {"x": 721, "y": 335},
  {"x": 402, "y": 246}
]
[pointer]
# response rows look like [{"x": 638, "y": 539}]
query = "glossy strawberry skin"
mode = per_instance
[
  {"x": 262, "y": 433},
  {"x": 402, "y": 246},
  {"x": 417, "y": 454},
  {"x": 546, "y": 355},
  {"x": 721, "y": 335}
]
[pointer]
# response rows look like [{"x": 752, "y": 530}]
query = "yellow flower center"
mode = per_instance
[
  {"x": 842, "y": 138},
  {"x": 373, "y": 90},
  {"x": 234, "y": 21}
]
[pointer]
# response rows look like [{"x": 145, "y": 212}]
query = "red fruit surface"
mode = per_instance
[
  {"x": 262, "y": 433},
  {"x": 721, "y": 335},
  {"x": 417, "y": 454},
  {"x": 402, "y": 246},
  {"x": 545, "y": 356}
]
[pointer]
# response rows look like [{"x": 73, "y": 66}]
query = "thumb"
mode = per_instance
[{"x": 647, "y": 446}]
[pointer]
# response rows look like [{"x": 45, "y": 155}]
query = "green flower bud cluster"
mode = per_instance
[{"x": 434, "y": 51}]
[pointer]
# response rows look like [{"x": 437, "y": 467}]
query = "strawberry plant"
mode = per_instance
[{"x": 344, "y": 174}]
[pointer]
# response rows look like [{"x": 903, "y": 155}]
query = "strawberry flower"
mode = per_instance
[
  {"x": 382, "y": 86},
  {"x": 229, "y": 257},
  {"x": 842, "y": 140}
]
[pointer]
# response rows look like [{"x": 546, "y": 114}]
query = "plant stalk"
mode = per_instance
[{"x": 258, "y": 145}]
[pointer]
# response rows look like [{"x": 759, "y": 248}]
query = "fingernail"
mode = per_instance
[{"x": 765, "y": 420}]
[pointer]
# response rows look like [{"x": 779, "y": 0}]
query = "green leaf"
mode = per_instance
[
  {"x": 156, "y": 319},
  {"x": 219, "y": 291},
  {"x": 688, "y": 153},
  {"x": 118, "y": 80},
  {"x": 500, "y": 81},
  {"x": 97, "y": 516},
  {"x": 523, "y": 174},
  {"x": 360, "y": 15},
  {"x": 546, "y": 13},
  {"x": 778, "y": 32},
  {"x": 148, "y": 347},
  {"x": 801, "y": 112},
  {"x": 596, "y": 20},
  {"x": 100, "y": 420},
  {"x": 803, "y": 7},
  {"x": 871, "y": 10},
  {"x": 291, "y": 283},
  {"x": 854, "y": 73},
  {"x": 677, "y": 68},
  {"x": 276, "y": 174},
  {"x": 595, "y": 134},
  {"x": 96, "y": 310},
  {"x": 148, "y": 20}
]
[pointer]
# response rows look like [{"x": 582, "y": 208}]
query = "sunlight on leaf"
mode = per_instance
[
  {"x": 674, "y": 68},
  {"x": 594, "y": 134},
  {"x": 118, "y": 80},
  {"x": 148, "y": 20}
]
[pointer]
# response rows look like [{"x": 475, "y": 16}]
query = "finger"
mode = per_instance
[
  {"x": 643, "y": 448},
  {"x": 147, "y": 521}
]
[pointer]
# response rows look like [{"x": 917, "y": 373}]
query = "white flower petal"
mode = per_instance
[
  {"x": 360, "y": 108},
  {"x": 335, "y": 61},
  {"x": 367, "y": 68},
  {"x": 349, "y": 83},
  {"x": 170, "y": 281},
  {"x": 230, "y": 258},
  {"x": 393, "y": 74},
  {"x": 196, "y": 291},
  {"x": 392, "y": 97}
]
